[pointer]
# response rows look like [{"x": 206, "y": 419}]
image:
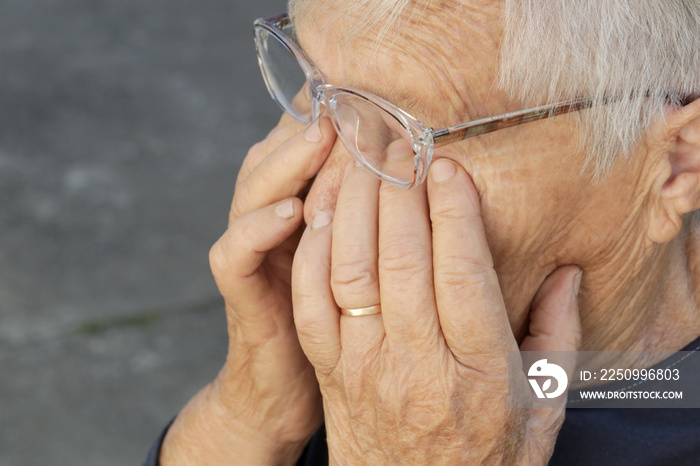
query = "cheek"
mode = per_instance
[
  {"x": 529, "y": 203},
  {"x": 530, "y": 193},
  {"x": 323, "y": 193},
  {"x": 519, "y": 215}
]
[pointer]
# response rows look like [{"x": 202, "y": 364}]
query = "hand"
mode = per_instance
[
  {"x": 265, "y": 404},
  {"x": 425, "y": 381}
]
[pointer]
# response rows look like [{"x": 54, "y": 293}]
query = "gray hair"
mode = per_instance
[
  {"x": 646, "y": 53},
  {"x": 637, "y": 50}
]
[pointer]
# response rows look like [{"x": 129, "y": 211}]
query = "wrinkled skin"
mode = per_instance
[
  {"x": 466, "y": 268},
  {"x": 426, "y": 381},
  {"x": 266, "y": 396}
]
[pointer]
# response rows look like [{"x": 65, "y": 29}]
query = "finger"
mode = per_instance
[
  {"x": 284, "y": 172},
  {"x": 236, "y": 257},
  {"x": 285, "y": 129},
  {"x": 354, "y": 278},
  {"x": 405, "y": 266},
  {"x": 469, "y": 300},
  {"x": 554, "y": 330},
  {"x": 554, "y": 320},
  {"x": 554, "y": 327},
  {"x": 316, "y": 314}
]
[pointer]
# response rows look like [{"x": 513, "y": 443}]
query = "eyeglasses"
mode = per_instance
[{"x": 385, "y": 140}]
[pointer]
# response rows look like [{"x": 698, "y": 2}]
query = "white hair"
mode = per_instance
[
  {"x": 645, "y": 53},
  {"x": 368, "y": 14}
]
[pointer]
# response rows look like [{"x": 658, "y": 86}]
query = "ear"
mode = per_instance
[{"x": 677, "y": 140}]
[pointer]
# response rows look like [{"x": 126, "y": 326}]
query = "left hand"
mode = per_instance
[{"x": 425, "y": 381}]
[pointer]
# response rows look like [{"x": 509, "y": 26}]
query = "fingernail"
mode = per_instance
[
  {"x": 442, "y": 170},
  {"x": 577, "y": 282},
  {"x": 313, "y": 132},
  {"x": 320, "y": 220},
  {"x": 285, "y": 209}
]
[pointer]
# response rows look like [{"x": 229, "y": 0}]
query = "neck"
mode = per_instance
[{"x": 655, "y": 311}]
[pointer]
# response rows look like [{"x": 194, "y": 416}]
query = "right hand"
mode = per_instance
[
  {"x": 267, "y": 376},
  {"x": 266, "y": 395}
]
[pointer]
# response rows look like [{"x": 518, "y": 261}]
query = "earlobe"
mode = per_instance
[{"x": 679, "y": 193}]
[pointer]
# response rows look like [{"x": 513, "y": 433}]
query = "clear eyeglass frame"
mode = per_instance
[{"x": 423, "y": 139}]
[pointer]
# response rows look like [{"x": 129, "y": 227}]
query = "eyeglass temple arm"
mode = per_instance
[
  {"x": 507, "y": 120},
  {"x": 474, "y": 128}
]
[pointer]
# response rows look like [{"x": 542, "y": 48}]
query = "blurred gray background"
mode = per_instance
[{"x": 122, "y": 127}]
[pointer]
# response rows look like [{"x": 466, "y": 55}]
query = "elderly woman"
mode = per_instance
[{"x": 433, "y": 247}]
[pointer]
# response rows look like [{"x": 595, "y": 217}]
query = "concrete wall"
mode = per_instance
[{"x": 122, "y": 127}]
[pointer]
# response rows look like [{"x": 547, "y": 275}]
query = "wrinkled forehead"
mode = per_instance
[
  {"x": 436, "y": 60},
  {"x": 360, "y": 17}
]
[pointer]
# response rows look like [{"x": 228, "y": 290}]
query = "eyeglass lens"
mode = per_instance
[
  {"x": 376, "y": 138},
  {"x": 285, "y": 78}
]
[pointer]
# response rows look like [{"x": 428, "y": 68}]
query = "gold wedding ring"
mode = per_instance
[{"x": 362, "y": 311}]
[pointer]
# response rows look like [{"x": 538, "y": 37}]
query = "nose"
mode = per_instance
[{"x": 323, "y": 193}]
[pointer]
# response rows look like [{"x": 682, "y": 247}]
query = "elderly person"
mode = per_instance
[{"x": 433, "y": 247}]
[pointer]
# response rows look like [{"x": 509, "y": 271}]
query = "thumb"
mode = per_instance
[
  {"x": 554, "y": 320},
  {"x": 554, "y": 326}
]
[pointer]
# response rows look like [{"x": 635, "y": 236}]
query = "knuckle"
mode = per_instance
[
  {"x": 256, "y": 154},
  {"x": 217, "y": 259},
  {"x": 311, "y": 328},
  {"x": 250, "y": 192},
  {"x": 277, "y": 129},
  {"x": 256, "y": 151},
  {"x": 241, "y": 203},
  {"x": 252, "y": 159},
  {"x": 472, "y": 283},
  {"x": 243, "y": 234},
  {"x": 359, "y": 274},
  {"x": 240, "y": 236},
  {"x": 462, "y": 271},
  {"x": 453, "y": 212},
  {"x": 401, "y": 260},
  {"x": 447, "y": 211}
]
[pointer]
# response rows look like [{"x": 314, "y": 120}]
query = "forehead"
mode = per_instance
[{"x": 437, "y": 62}]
